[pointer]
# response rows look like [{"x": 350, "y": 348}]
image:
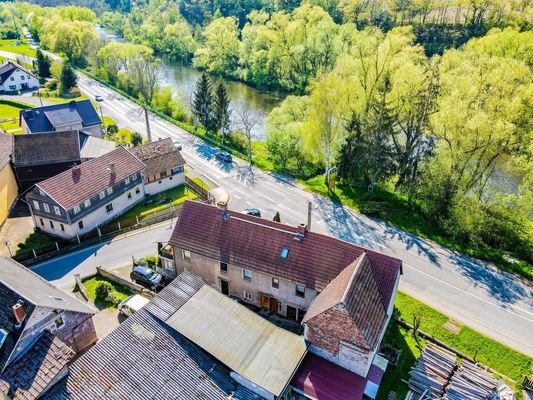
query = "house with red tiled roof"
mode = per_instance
[
  {"x": 88, "y": 195},
  {"x": 342, "y": 294}
]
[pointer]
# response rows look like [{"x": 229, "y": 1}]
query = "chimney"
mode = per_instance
[
  {"x": 19, "y": 313},
  {"x": 302, "y": 228},
  {"x": 111, "y": 169},
  {"x": 76, "y": 170}
]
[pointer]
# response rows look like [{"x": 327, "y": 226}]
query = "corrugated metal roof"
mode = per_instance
[{"x": 251, "y": 346}]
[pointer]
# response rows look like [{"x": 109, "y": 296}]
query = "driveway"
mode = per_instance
[
  {"x": 14, "y": 230},
  {"x": 106, "y": 320}
]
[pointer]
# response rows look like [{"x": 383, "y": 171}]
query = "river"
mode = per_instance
[{"x": 182, "y": 80}]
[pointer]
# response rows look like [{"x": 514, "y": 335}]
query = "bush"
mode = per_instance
[
  {"x": 51, "y": 84},
  {"x": 149, "y": 261},
  {"x": 104, "y": 290}
]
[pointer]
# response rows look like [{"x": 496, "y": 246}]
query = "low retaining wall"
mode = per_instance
[{"x": 113, "y": 276}]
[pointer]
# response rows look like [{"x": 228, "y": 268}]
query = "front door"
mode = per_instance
[
  {"x": 224, "y": 287},
  {"x": 291, "y": 313},
  {"x": 273, "y": 306}
]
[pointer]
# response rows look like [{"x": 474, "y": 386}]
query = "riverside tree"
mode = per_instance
[
  {"x": 203, "y": 104},
  {"x": 221, "y": 110}
]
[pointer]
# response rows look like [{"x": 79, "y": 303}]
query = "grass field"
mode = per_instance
[
  {"x": 120, "y": 291},
  {"x": 496, "y": 356},
  {"x": 10, "y": 45},
  {"x": 11, "y": 110}
]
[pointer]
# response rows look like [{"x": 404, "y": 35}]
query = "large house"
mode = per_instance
[
  {"x": 8, "y": 183},
  {"x": 41, "y": 330},
  {"x": 13, "y": 78},
  {"x": 75, "y": 115},
  {"x": 342, "y": 293},
  {"x": 164, "y": 165},
  {"x": 88, "y": 195}
]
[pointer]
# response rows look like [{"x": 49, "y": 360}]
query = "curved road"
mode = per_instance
[{"x": 467, "y": 290}]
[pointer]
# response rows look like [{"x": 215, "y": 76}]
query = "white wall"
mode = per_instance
[
  {"x": 94, "y": 130},
  {"x": 96, "y": 218},
  {"x": 166, "y": 183},
  {"x": 17, "y": 78}
]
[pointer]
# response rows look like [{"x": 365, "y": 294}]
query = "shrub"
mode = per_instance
[{"x": 104, "y": 290}]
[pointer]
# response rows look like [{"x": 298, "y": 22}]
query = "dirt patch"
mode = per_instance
[
  {"x": 106, "y": 320},
  {"x": 452, "y": 326}
]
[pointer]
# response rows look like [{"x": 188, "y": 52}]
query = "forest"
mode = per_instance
[{"x": 427, "y": 101}]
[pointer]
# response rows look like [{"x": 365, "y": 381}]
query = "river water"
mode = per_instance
[{"x": 182, "y": 80}]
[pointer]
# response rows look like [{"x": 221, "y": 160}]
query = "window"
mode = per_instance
[
  {"x": 137, "y": 190},
  {"x": 102, "y": 195},
  {"x": 80, "y": 224},
  {"x": 57, "y": 210},
  {"x": 247, "y": 274},
  {"x": 12, "y": 78},
  {"x": 129, "y": 195},
  {"x": 62, "y": 227},
  {"x": 28, "y": 76},
  {"x": 300, "y": 290},
  {"x": 12, "y": 87},
  {"x": 87, "y": 203},
  {"x": 109, "y": 207},
  {"x": 109, "y": 190},
  {"x": 275, "y": 283},
  {"x": 247, "y": 295},
  {"x": 46, "y": 207},
  {"x": 223, "y": 266},
  {"x": 186, "y": 255},
  {"x": 177, "y": 170},
  {"x": 77, "y": 209},
  {"x": 51, "y": 225},
  {"x": 42, "y": 222},
  {"x": 36, "y": 205},
  {"x": 163, "y": 174},
  {"x": 168, "y": 265},
  {"x": 127, "y": 180},
  {"x": 58, "y": 322},
  {"x": 22, "y": 77},
  {"x": 284, "y": 253}
]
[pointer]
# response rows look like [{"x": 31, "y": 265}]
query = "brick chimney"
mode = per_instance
[
  {"x": 76, "y": 170},
  {"x": 112, "y": 169},
  {"x": 302, "y": 228},
  {"x": 19, "y": 313}
]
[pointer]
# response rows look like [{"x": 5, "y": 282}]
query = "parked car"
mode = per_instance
[
  {"x": 147, "y": 277},
  {"x": 98, "y": 98},
  {"x": 224, "y": 157},
  {"x": 178, "y": 144},
  {"x": 252, "y": 211},
  {"x": 132, "y": 304}
]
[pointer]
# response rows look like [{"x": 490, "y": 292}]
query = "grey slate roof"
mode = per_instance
[
  {"x": 44, "y": 119},
  {"x": 144, "y": 358},
  {"x": 93, "y": 147},
  {"x": 46, "y": 148},
  {"x": 37, "y": 290},
  {"x": 28, "y": 377}
]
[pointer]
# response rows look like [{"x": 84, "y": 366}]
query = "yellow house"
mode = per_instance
[{"x": 8, "y": 183}]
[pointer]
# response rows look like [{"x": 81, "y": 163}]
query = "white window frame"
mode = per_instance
[
  {"x": 247, "y": 295},
  {"x": 46, "y": 207},
  {"x": 109, "y": 190},
  {"x": 245, "y": 273},
  {"x": 102, "y": 195},
  {"x": 168, "y": 265},
  {"x": 296, "y": 290},
  {"x": 36, "y": 205},
  {"x": 277, "y": 281},
  {"x": 186, "y": 254},
  {"x": 108, "y": 210},
  {"x": 57, "y": 211},
  {"x": 127, "y": 180},
  {"x": 87, "y": 203}
]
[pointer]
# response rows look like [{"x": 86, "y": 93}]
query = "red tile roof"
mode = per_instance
[
  {"x": 69, "y": 188},
  {"x": 256, "y": 243}
]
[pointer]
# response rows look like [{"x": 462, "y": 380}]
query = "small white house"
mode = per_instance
[
  {"x": 165, "y": 166},
  {"x": 13, "y": 78}
]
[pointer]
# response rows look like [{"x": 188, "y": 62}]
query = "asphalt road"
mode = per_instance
[{"x": 467, "y": 290}]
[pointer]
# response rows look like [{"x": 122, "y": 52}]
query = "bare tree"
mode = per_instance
[
  {"x": 246, "y": 120},
  {"x": 145, "y": 73}
]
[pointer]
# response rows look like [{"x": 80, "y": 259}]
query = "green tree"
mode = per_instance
[
  {"x": 284, "y": 146},
  {"x": 277, "y": 217},
  {"x": 43, "y": 65},
  {"x": 203, "y": 102},
  {"x": 68, "y": 78},
  {"x": 221, "y": 110}
]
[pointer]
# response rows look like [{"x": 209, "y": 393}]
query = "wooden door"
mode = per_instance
[
  {"x": 291, "y": 313},
  {"x": 224, "y": 287},
  {"x": 273, "y": 306}
]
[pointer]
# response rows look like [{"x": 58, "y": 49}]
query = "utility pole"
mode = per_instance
[
  {"x": 148, "y": 133},
  {"x": 102, "y": 115}
]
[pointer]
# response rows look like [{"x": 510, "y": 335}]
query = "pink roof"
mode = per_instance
[{"x": 324, "y": 380}]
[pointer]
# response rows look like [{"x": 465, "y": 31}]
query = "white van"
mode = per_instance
[{"x": 132, "y": 304}]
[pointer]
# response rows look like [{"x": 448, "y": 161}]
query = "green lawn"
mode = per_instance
[
  {"x": 10, "y": 45},
  {"x": 37, "y": 240},
  {"x": 175, "y": 196},
  {"x": 90, "y": 285},
  {"x": 11, "y": 110}
]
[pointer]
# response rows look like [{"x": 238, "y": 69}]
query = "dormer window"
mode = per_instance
[
  {"x": 87, "y": 203},
  {"x": 284, "y": 253},
  {"x": 76, "y": 209},
  {"x": 102, "y": 195},
  {"x": 127, "y": 180},
  {"x": 46, "y": 207}
]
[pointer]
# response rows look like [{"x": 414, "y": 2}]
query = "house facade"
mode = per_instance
[
  {"x": 75, "y": 115},
  {"x": 35, "y": 318},
  {"x": 13, "y": 78},
  {"x": 343, "y": 294},
  {"x": 8, "y": 183},
  {"x": 89, "y": 195},
  {"x": 165, "y": 167}
]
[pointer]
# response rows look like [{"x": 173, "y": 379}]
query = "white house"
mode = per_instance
[
  {"x": 164, "y": 165},
  {"x": 13, "y": 77},
  {"x": 88, "y": 195}
]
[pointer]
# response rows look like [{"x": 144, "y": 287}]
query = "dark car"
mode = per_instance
[
  {"x": 252, "y": 211},
  {"x": 224, "y": 157},
  {"x": 147, "y": 277}
]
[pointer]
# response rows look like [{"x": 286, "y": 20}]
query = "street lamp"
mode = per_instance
[{"x": 7, "y": 243}]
